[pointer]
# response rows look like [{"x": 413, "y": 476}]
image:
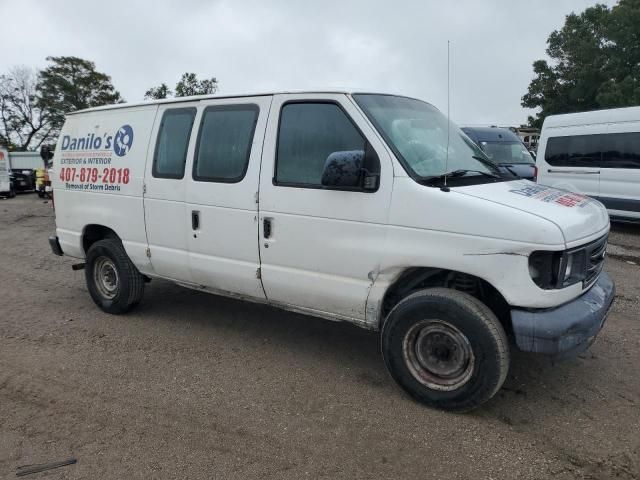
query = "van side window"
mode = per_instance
[
  {"x": 308, "y": 134},
  {"x": 574, "y": 151},
  {"x": 622, "y": 150},
  {"x": 172, "y": 143},
  {"x": 224, "y": 143}
]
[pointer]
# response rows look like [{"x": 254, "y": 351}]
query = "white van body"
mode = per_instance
[
  {"x": 5, "y": 173},
  {"x": 264, "y": 231},
  {"x": 595, "y": 153}
]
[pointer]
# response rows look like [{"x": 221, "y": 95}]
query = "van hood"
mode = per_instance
[{"x": 577, "y": 216}]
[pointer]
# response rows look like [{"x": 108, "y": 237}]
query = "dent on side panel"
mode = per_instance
[
  {"x": 504, "y": 265},
  {"x": 434, "y": 229},
  {"x": 380, "y": 282}
]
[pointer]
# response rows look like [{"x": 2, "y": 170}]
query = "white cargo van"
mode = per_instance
[
  {"x": 341, "y": 205},
  {"x": 6, "y": 185},
  {"x": 597, "y": 154}
]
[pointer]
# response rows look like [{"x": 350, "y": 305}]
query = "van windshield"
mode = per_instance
[
  {"x": 507, "y": 152},
  {"x": 417, "y": 134}
]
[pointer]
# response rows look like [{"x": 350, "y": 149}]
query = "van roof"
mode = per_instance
[
  {"x": 218, "y": 96},
  {"x": 627, "y": 114}
]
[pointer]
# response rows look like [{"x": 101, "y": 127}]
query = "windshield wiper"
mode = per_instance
[
  {"x": 458, "y": 173},
  {"x": 508, "y": 168},
  {"x": 486, "y": 161}
]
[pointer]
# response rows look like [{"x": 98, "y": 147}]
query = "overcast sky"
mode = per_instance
[{"x": 392, "y": 46}]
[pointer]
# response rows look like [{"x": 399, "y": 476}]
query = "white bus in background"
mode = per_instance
[{"x": 597, "y": 154}]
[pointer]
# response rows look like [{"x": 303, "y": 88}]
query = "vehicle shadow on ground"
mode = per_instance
[
  {"x": 535, "y": 389},
  {"x": 309, "y": 341}
]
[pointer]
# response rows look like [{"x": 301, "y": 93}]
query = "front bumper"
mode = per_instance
[{"x": 566, "y": 330}]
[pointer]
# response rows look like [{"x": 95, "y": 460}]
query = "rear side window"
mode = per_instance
[
  {"x": 622, "y": 150},
  {"x": 172, "y": 143},
  {"x": 574, "y": 151},
  {"x": 224, "y": 143},
  {"x": 308, "y": 134}
]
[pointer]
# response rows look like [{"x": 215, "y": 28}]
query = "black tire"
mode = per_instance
[
  {"x": 12, "y": 192},
  {"x": 446, "y": 349},
  {"x": 115, "y": 284}
]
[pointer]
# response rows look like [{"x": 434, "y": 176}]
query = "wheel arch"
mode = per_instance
[
  {"x": 408, "y": 280},
  {"x": 93, "y": 232}
]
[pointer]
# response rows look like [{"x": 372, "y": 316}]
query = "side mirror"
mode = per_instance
[{"x": 343, "y": 169}]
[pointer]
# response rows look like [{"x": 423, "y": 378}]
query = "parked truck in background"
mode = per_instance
[{"x": 23, "y": 167}]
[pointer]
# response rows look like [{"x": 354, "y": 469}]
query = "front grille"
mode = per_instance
[{"x": 595, "y": 253}]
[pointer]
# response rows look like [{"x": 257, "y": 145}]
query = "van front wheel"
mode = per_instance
[
  {"x": 446, "y": 349},
  {"x": 114, "y": 283}
]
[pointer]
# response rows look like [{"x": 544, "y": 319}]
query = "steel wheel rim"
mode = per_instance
[
  {"x": 105, "y": 276},
  {"x": 438, "y": 355}
]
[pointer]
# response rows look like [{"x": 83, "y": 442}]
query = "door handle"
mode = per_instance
[
  {"x": 266, "y": 227},
  {"x": 195, "y": 219}
]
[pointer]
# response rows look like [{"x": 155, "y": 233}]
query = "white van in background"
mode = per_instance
[
  {"x": 6, "y": 185},
  {"x": 596, "y": 154},
  {"x": 366, "y": 208}
]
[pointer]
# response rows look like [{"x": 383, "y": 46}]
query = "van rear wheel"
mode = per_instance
[
  {"x": 113, "y": 281},
  {"x": 446, "y": 349}
]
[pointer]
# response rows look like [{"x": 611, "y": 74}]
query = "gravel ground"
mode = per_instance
[{"x": 192, "y": 385}]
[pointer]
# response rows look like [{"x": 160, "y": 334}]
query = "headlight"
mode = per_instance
[
  {"x": 574, "y": 268},
  {"x": 544, "y": 268},
  {"x": 551, "y": 270}
]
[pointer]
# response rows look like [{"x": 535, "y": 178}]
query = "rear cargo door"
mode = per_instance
[{"x": 167, "y": 222}]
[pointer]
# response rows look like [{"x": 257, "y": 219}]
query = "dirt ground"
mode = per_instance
[{"x": 192, "y": 385}]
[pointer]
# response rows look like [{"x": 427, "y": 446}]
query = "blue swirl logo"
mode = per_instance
[{"x": 123, "y": 141}]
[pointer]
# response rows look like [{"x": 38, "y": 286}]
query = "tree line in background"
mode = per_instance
[
  {"x": 595, "y": 63},
  {"x": 187, "y": 86},
  {"x": 33, "y": 103}
]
